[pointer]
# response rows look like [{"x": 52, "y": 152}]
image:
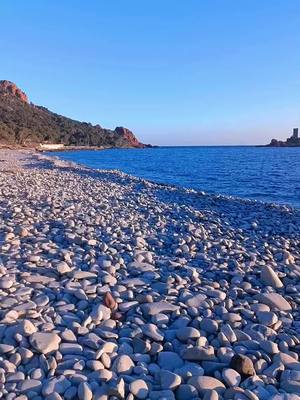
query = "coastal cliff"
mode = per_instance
[{"x": 25, "y": 124}]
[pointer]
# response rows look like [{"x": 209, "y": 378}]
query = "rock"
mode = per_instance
[
  {"x": 26, "y": 327},
  {"x": 269, "y": 277},
  {"x": 6, "y": 283},
  {"x": 84, "y": 391},
  {"x": 152, "y": 332},
  {"x": 169, "y": 380},
  {"x": 63, "y": 268},
  {"x": 189, "y": 369},
  {"x": 267, "y": 318},
  {"x": 158, "y": 307},
  {"x": 45, "y": 342},
  {"x": 139, "y": 389},
  {"x": 290, "y": 386},
  {"x": 128, "y": 136},
  {"x": 123, "y": 365},
  {"x": 285, "y": 396},
  {"x": 199, "y": 353},
  {"x": 288, "y": 361},
  {"x": 84, "y": 275},
  {"x": 5, "y": 348},
  {"x": 274, "y": 300},
  {"x": 169, "y": 360},
  {"x": 269, "y": 346},
  {"x": 231, "y": 377},
  {"x": 186, "y": 392},
  {"x": 161, "y": 395},
  {"x": 70, "y": 348},
  {"x": 243, "y": 365},
  {"x": 209, "y": 325},
  {"x": 100, "y": 312},
  {"x": 196, "y": 300},
  {"x": 55, "y": 385},
  {"x": 30, "y": 385},
  {"x": 109, "y": 301},
  {"x": 117, "y": 388},
  {"x": 186, "y": 333},
  {"x": 11, "y": 89},
  {"x": 204, "y": 384}
]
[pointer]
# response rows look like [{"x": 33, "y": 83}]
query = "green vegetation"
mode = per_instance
[{"x": 26, "y": 124}]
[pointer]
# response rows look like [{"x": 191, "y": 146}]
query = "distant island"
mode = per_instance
[
  {"x": 24, "y": 124},
  {"x": 293, "y": 141}
]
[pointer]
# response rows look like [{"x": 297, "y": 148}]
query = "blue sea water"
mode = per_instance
[{"x": 267, "y": 174}]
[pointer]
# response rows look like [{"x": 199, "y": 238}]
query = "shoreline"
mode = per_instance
[
  {"x": 283, "y": 206},
  {"x": 130, "y": 288}
]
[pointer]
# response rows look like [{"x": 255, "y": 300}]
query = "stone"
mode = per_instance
[
  {"x": 274, "y": 300},
  {"x": 209, "y": 325},
  {"x": 169, "y": 380},
  {"x": 187, "y": 333},
  {"x": 243, "y": 365},
  {"x": 267, "y": 318},
  {"x": 123, "y": 365},
  {"x": 30, "y": 385},
  {"x": 6, "y": 283},
  {"x": 186, "y": 392},
  {"x": 161, "y": 395},
  {"x": 55, "y": 385},
  {"x": 5, "y": 348},
  {"x": 100, "y": 312},
  {"x": 287, "y": 360},
  {"x": 109, "y": 301},
  {"x": 196, "y": 300},
  {"x": 152, "y": 332},
  {"x": 169, "y": 360},
  {"x": 269, "y": 277},
  {"x": 45, "y": 342},
  {"x": 231, "y": 377},
  {"x": 63, "y": 268},
  {"x": 269, "y": 346},
  {"x": 158, "y": 307},
  {"x": 70, "y": 348},
  {"x": 199, "y": 353},
  {"x": 204, "y": 384},
  {"x": 139, "y": 389},
  {"x": 84, "y": 391},
  {"x": 26, "y": 327},
  {"x": 189, "y": 369}
]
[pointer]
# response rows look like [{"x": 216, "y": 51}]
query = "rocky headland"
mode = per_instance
[
  {"x": 23, "y": 124},
  {"x": 113, "y": 287},
  {"x": 292, "y": 141}
]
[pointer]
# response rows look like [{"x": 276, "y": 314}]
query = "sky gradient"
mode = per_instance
[{"x": 197, "y": 72}]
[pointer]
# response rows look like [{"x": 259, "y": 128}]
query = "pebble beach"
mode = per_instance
[{"x": 114, "y": 287}]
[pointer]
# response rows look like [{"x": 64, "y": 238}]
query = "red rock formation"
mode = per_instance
[
  {"x": 129, "y": 136},
  {"x": 9, "y": 88}
]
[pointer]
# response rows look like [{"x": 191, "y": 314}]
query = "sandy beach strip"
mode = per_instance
[{"x": 114, "y": 287}]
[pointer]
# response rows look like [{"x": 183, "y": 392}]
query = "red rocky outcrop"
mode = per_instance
[
  {"x": 129, "y": 136},
  {"x": 9, "y": 88}
]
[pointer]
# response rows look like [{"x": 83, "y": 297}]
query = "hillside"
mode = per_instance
[{"x": 23, "y": 123}]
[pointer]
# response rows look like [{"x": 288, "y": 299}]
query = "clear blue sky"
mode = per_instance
[{"x": 175, "y": 72}]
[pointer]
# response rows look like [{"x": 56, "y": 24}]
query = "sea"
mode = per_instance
[{"x": 259, "y": 173}]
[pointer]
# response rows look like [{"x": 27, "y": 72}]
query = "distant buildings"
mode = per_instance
[
  {"x": 295, "y": 134},
  {"x": 293, "y": 141},
  {"x": 51, "y": 146}
]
